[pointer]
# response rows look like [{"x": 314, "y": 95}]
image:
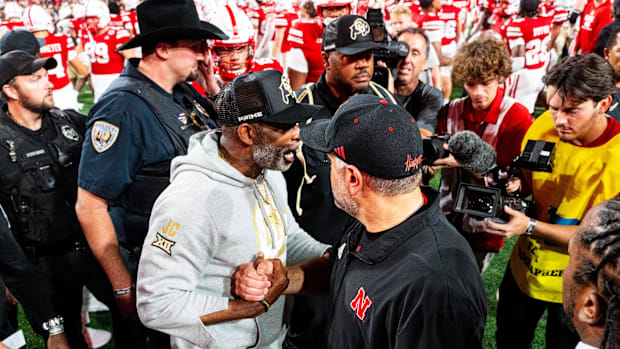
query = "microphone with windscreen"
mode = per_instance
[{"x": 474, "y": 154}]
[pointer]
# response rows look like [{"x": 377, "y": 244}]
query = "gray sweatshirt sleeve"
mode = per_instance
[
  {"x": 299, "y": 245},
  {"x": 180, "y": 243}
]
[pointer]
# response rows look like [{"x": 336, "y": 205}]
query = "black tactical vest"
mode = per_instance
[
  {"x": 150, "y": 181},
  {"x": 38, "y": 188}
]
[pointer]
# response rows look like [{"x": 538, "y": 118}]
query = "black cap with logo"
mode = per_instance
[
  {"x": 379, "y": 138},
  {"x": 261, "y": 96},
  {"x": 16, "y": 63},
  {"x": 529, "y": 5},
  {"x": 349, "y": 35}
]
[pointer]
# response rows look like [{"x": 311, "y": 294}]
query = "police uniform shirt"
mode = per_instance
[{"x": 123, "y": 135}]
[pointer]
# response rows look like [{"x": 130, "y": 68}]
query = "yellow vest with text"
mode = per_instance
[{"x": 581, "y": 178}]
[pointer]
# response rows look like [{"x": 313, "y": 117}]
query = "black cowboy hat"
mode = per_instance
[{"x": 167, "y": 20}]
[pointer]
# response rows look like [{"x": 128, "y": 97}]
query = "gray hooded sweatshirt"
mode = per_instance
[{"x": 209, "y": 220}]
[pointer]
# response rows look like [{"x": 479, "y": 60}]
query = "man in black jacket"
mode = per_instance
[
  {"x": 32, "y": 291},
  {"x": 401, "y": 276},
  {"x": 422, "y": 101},
  {"x": 347, "y": 56}
]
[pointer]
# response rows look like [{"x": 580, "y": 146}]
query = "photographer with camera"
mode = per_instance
[
  {"x": 482, "y": 66},
  {"x": 585, "y": 172},
  {"x": 422, "y": 101}
]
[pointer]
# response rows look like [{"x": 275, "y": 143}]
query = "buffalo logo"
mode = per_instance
[
  {"x": 163, "y": 244},
  {"x": 70, "y": 133},
  {"x": 103, "y": 136},
  {"x": 359, "y": 28},
  {"x": 286, "y": 90}
]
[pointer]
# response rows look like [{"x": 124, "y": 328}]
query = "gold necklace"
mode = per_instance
[{"x": 269, "y": 201}]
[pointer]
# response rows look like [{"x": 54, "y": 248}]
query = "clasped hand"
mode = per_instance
[{"x": 261, "y": 279}]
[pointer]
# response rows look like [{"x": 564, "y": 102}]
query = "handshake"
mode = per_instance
[{"x": 262, "y": 280}]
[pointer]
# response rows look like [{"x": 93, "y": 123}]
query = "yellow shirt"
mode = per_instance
[{"x": 581, "y": 178}]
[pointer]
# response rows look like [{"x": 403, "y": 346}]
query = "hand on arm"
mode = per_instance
[
  {"x": 92, "y": 212},
  {"x": 255, "y": 276}
]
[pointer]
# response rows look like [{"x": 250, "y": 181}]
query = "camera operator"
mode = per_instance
[
  {"x": 482, "y": 66},
  {"x": 585, "y": 172},
  {"x": 422, "y": 101}
]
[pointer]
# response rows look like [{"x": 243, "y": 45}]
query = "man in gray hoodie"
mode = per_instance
[{"x": 227, "y": 203}]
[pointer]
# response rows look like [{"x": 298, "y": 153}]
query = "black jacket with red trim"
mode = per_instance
[{"x": 415, "y": 286}]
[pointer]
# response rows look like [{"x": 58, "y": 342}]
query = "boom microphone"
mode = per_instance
[{"x": 474, "y": 154}]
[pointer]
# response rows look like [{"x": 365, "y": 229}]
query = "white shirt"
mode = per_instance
[{"x": 582, "y": 345}]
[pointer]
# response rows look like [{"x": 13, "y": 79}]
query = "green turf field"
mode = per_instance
[{"x": 491, "y": 277}]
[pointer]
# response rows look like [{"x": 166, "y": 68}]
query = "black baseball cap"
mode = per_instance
[
  {"x": 261, "y": 96},
  {"x": 378, "y": 137},
  {"x": 529, "y": 5},
  {"x": 20, "y": 39},
  {"x": 16, "y": 63},
  {"x": 349, "y": 35}
]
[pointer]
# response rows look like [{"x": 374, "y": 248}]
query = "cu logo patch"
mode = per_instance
[
  {"x": 359, "y": 28},
  {"x": 361, "y": 303}
]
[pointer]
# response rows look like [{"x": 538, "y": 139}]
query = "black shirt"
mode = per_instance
[
  {"x": 424, "y": 105},
  {"x": 415, "y": 286},
  {"x": 614, "y": 106}
]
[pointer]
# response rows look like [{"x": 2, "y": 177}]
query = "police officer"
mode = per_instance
[
  {"x": 349, "y": 66},
  {"x": 39, "y": 156},
  {"x": 143, "y": 121}
]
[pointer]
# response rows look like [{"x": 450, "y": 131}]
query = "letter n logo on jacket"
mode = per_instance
[{"x": 361, "y": 303}]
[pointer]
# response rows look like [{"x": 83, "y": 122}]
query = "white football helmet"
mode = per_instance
[
  {"x": 12, "y": 10},
  {"x": 284, "y": 5},
  {"x": 36, "y": 19},
  {"x": 78, "y": 10},
  {"x": 130, "y": 4},
  {"x": 97, "y": 8},
  {"x": 320, "y": 4},
  {"x": 236, "y": 24},
  {"x": 64, "y": 12}
]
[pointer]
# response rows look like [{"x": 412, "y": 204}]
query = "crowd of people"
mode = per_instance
[{"x": 254, "y": 173}]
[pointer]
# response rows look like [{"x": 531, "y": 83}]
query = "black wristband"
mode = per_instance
[{"x": 265, "y": 304}]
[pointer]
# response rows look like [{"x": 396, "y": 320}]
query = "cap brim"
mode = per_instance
[
  {"x": 314, "y": 135},
  {"x": 41, "y": 42},
  {"x": 47, "y": 63},
  {"x": 206, "y": 31},
  {"x": 358, "y": 47},
  {"x": 297, "y": 113}
]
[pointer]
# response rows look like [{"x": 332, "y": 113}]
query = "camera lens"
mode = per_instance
[{"x": 481, "y": 204}]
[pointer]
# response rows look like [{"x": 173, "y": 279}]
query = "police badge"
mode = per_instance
[
  {"x": 70, "y": 133},
  {"x": 103, "y": 136}
]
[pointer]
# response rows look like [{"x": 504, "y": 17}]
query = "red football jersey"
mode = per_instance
[
  {"x": 449, "y": 14},
  {"x": 559, "y": 15},
  {"x": 593, "y": 19},
  {"x": 78, "y": 25},
  {"x": 534, "y": 34},
  {"x": 285, "y": 20},
  {"x": 101, "y": 50},
  {"x": 261, "y": 64},
  {"x": 130, "y": 21},
  {"x": 307, "y": 35},
  {"x": 13, "y": 25},
  {"x": 432, "y": 25},
  {"x": 258, "y": 16},
  {"x": 58, "y": 47}
]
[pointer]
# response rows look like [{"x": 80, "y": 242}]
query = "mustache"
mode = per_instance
[{"x": 361, "y": 73}]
